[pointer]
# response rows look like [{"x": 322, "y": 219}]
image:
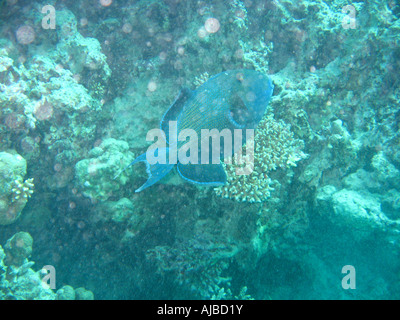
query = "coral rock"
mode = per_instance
[{"x": 14, "y": 193}]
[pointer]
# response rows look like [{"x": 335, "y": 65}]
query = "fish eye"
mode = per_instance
[{"x": 240, "y": 76}]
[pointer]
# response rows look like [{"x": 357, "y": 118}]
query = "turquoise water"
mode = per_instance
[{"x": 317, "y": 216}]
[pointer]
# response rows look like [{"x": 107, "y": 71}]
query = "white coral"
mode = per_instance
[{"x": 22, "y": 189}]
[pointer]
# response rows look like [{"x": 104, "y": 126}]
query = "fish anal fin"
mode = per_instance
[{"x": 203, "y": 174}]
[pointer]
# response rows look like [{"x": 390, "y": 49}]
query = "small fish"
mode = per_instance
[{"x": 233, "y": 100}]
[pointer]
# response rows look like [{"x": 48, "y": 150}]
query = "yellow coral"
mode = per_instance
[
  {"x": 199, "y": 80},
  {"x": 274, "y": 147}
]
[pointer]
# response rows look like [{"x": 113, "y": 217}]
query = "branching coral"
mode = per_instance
[
  {"x": 199, "y": 80},
  {"x": 240, "y": 14},
  {"x": 22, "y": 189},
  {"x": 257, "y": 54},
  {"x": 14, "y": 192},
  {"x": 196, "y": 263},
  {"x": 274, "y": 147}
]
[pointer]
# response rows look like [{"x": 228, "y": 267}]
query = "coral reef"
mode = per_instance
[
  {"x": 274, "y": 148},
  {"x": 197, "y": 264},
  {"x": 76, "y": 103},
  {"x": 83, "y": 294},
  {"x": 43, "y": 91},
  {"x": 18, "y": 281},
  {"x": 14, "y": 192},
  {"x": 119, "y": 211},
  {"x": 66, "y": 293},
  {"x": 94, "y": 176},
  {"x": 50, "y": 98},
  {"x": 367, "y": 204},
  {"x": 82, "y": 55},
  {"x": 359, "y": 212},
  {"x": 18, "y": 249}
]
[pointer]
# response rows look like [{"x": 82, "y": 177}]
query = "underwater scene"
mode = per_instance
[{"x": 199, "y": 149}]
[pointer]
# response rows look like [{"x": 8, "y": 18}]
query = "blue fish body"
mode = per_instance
[{"x": 233, "y": 100}]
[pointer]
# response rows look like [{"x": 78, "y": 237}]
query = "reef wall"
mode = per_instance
[{"x": 76, "y": 103}]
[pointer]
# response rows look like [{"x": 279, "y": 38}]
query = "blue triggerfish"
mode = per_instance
[{"x": 231, "y": 101}]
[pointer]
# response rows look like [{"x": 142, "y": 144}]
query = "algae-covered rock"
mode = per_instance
[
  {"x": 391, "y": 204},
  {"x": 386, "y": 172},
  {"x": 18, "y": 249},
  {"x": 83, "y": 294},
  {"x": 359, "y": 212},
  {"x": 3, "y": 270},
  {"x": 118, "y": 211},
  {"x": 362, "y": 180},
  {"x": 14, "y": 192},
  {"x": 66, "y": 293},
  {"x": 86, "y": 52},
  {"x": 95, "y": 176},
  {"x": 12, "y": 166},
  {"x": 18, "y": 281},
  {"x": 26, "y": 284}
]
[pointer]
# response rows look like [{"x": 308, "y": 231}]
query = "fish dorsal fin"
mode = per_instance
[{"x": 175, "y": 110}]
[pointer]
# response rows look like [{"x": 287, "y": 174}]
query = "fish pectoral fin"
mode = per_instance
[
  {"x": 204, "y": 174},
  {"x": 155, "y": 171}
]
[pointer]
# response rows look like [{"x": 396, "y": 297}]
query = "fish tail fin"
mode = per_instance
[
  {"x": 155, "y": 171},
  {"x": 138, "y": 159}
]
